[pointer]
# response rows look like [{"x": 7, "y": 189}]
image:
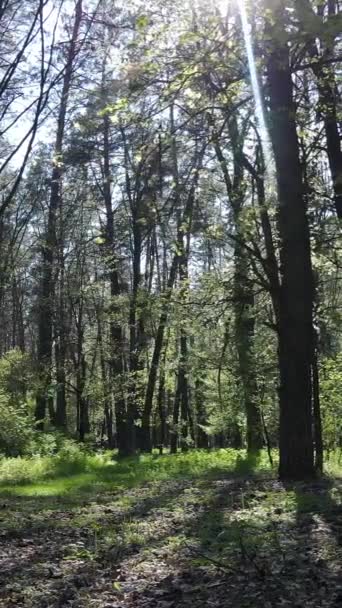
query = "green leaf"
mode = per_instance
[
  {"x": 117, "y": 586},
  {"x": 142, "y": 22}
]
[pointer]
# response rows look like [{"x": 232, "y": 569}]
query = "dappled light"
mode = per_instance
[
  {"x": 220, "y": 517},
  {"x": 170, "y": 304}
]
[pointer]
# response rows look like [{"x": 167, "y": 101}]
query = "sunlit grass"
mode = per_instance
[
  {"x": 55, "y": 476},
  {"x": 206, "y": 505},
  {"x": 82, "y": 473}
]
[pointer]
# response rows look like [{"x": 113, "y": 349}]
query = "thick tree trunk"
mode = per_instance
[{"x": 296, "y": 297}]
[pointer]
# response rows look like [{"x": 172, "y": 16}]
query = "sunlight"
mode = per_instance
[{"x": 259, "y": 110}]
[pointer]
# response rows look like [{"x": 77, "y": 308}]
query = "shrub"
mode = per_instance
[
  {"x": 16, "y": 427},
  {"x": 71, "y": 458}
]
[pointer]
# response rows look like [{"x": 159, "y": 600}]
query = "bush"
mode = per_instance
[
  {"x": 16, "y": 427},
  {"x": 15, "y": 375},
  {"x": 71, "y": 458},
  {"x": 331, "y": 403}
]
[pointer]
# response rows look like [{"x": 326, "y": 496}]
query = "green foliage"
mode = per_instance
[
  {"x": 16, "y": 424},
  {"x": 16, "y": 430},
  {"x": 331, "y": 402},
  {"x": 15, "y": 374},
  {"x": 73, "y": 469}
]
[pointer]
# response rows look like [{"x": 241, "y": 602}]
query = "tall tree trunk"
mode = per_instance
[
  {"x": 296, "y": 296},
  {"x": 243, "y": 296},
  {"x": 317, "y": 410},
  {"x": 175, "y": 419},
  {"x": 183, "y": 372},
  {"x": 124, "y": 419},
  {"x": 183, "y": 228},
  {"x": 61, "y": 415},
  {"x": 145, "y": 435},
  {"x": 244, "y": 335},
  {"x": 46, "y": 295},
  {"x": 82, "y": 401},
  {"x": 162, "y": 399},
  {"x": 108, "y": 410},
  {"x": 202, "y": 437}
]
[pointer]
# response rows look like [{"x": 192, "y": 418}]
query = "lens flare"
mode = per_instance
[{"x": 259, "y": 106}]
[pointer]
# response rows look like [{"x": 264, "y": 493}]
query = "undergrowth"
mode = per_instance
[{"x": 73, "y": 469}]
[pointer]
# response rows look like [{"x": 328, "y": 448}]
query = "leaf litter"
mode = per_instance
[{"x": 195, "y": 543}]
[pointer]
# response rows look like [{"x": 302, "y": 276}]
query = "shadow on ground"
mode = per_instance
[{"x": 225, "y": 538}]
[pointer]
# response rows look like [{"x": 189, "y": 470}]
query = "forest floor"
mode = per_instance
[{"x": 194, "y": 530}]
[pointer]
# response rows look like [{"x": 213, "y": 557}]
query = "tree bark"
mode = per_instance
[
  {"x": 46, "y": 296},
  {"x": 124, "y": 419},
  {"x": 243, "y": 296},
  {"x": 328, "y": 96},
  {"x": 145, "y": 435},
  {"x": 296, "y": 295}
]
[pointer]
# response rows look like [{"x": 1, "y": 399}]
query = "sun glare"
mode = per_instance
[{"x": 254, "y": 79}]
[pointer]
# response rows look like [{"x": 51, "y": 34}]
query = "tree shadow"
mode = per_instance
[
  {"x": 33, "y": 542},
  {"x": 320, "y": 500},
  {"x": 258, "y": 559},
  {"x": 218, "y": 539}
]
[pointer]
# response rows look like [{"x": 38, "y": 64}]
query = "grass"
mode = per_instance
[
  {"x": 81, "y": 472},
  {"x": 186, "y": 511},
  {"x": 73, "y": 471}
]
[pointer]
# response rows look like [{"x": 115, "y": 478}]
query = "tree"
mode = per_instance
[
  {"x": 49, "y": 251},
  {"x": 296, "y": 289}
]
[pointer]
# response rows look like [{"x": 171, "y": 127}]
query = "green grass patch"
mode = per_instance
[
  {"x": 73, "y": 471},
  {"x": 80, "y": 472}
]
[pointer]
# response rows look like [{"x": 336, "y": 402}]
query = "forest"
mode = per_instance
[{"x": 170, "y": 303}]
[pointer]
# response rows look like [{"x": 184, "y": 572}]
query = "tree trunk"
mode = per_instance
[
  {"x": 161, "y": 401},
  {"x": 244, "y": 335},
  {"x": 108, "y": 411},
  {"x": 175, "y": 420},
  {"x": 83, "y": 406},
  {"x": 317, "y": 409},
  {"x": 124, "y": 419},
  {"x": 243, "y": 296},
  {"x": 145, "y": 435},
  {"x": 296, "y": 297},
  {"x": 328, "y": 94},
  {"x": 61, "y": 416},
  {"x": 202, "y": 437},
  {"x": 183, "y": 373},
  {"x": 46, "y": 295}
]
